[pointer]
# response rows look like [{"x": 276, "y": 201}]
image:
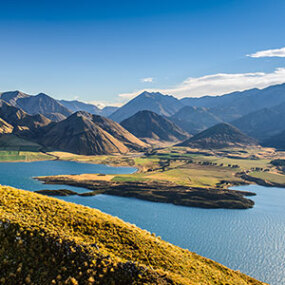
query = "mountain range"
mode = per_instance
[
  {"x": 149, "y": 125},
  {"x": 258, "y": 113},
  {"x": 81, "y": 132},
  {"x": 232, "y": 106},
  {"x": 56, "y": 110}
]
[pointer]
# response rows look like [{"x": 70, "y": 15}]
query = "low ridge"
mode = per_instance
[{"x": 219, "y": 136}]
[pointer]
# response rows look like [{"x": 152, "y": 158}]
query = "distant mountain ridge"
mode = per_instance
[
  {"x": 234, "y": 105},
  {"x": 149, "y": 125},
  {"x": 81, "y": 132},
  {"x": 38, "y": 104},
  {"x": 264, "y": 123},
  {"x": 164, "y": 105},
  {"x": 55, "y": 110},
  {"x": 219, "y": 136},
  {"x": 194, "y": 119}
]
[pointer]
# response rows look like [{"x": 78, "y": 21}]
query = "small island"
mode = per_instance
[{"x": 165, "y": 192}]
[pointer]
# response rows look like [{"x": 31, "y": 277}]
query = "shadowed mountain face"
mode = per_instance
[
  {"x": 195, "y": 119},
  {"x": 219, "y": 136},
  {"x": 263, "y": 123},
  {"x": 38, "y": 104},
  {"x": 84, "y": 133},
  {"x": 20, "y": 120},
  {"x": 164, "y": 105},
  {"x": 147, "y": 124},
  {"x": 237, "y": 104},
  {"x": 276, "y": 141}
]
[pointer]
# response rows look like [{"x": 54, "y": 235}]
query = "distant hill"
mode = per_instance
[
  {"x": 195, "y": 119},
  {"x": 219, "y": 136},
  {"x": 164, "y": 105},
  {"x": 263, "y": 123},
  {"x": 75, "y": 106},
  {"x": 232, "y": 106},
  {"x": 147, "y": 124},
  {"x": 80, "y": 134},
  {"x": 276, "y": 141},
  {"x": 38, "y": 104}
]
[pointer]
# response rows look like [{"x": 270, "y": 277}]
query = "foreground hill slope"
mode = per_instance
[
  {"x": 48, "y": 241},
  {"x": 219, "y": 136},
  {"x": 147, "y": 124},
  {"x": 164, "y": 105}
]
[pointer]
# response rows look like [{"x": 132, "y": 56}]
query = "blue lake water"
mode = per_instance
[{"x": 252, "y": 241}]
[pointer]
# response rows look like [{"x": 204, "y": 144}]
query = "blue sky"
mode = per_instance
[{"x": 98, "y": 50}]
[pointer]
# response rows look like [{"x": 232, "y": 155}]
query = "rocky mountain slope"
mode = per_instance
[{"x": 81, "y": 134}]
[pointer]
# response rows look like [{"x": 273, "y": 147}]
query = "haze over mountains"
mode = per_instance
[
  {"x": 258, "y": 113},
  {"x": 194, "y": 119}
]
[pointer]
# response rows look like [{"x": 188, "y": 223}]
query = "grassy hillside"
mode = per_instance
[{"x": 48, "y": 241}]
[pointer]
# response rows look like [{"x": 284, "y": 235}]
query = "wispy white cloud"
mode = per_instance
[
  {"x": 269, "y": 53},
  {"x": 102, "y": 104},
  {"x": 218, "y": 84},
  {"x": 147, "y": 79}
]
